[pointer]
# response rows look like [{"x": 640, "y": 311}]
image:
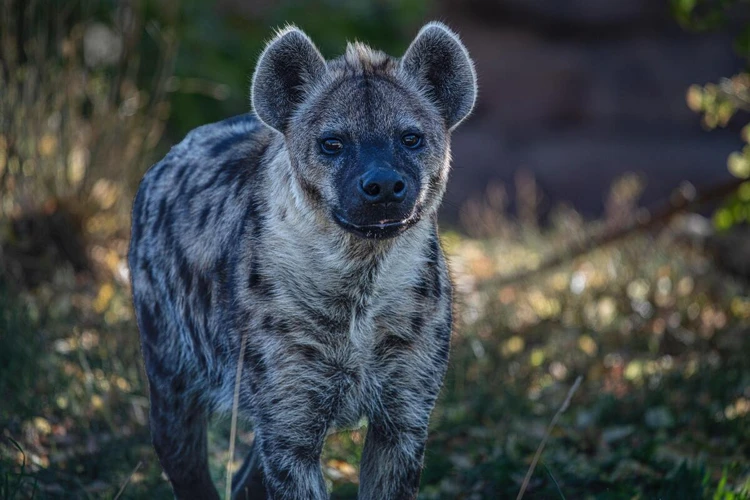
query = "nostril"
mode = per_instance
[
  {"x": 371, "y": 189},
  {"x": 398, "y": 187}
]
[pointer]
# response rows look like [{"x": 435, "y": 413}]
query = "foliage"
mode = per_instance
[
  {"x": 720, "y": 102},
  {"x": 657, "y": 331},
  {"x": 78, "y": 127},
  {"x": 72, "y": 111},
  {"x": 219, "y": 49}
]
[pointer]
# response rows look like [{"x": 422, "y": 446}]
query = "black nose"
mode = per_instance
[{"x": 382, "y": 185}]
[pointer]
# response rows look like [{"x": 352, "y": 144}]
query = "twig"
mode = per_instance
[
  {"x": 122, "y": 488},
  {"x": 551, "y": 426},
  {"x": 557, "y": 485},
  {"x": 233, "y": 431},
  {"x": 682, "y": 202}
]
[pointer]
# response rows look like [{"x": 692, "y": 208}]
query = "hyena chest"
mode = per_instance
[
  {"x": 354, "y": 371},
  {"x": 346, "y": 322},
  {"x": 349, "y": 375}
]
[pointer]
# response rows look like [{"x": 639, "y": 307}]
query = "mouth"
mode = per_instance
[{"x": 379, "y": 231}]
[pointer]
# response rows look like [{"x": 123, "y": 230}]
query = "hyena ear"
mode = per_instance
[
  {"x": 286, "y": 69},
  {"x": 441, "y": 63}
]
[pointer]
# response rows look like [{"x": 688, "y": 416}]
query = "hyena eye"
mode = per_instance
[
  {"x": 411, "y": 141},
  {"x": 331, "y": 146}
]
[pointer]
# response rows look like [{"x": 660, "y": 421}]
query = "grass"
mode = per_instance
[{"x": 659, "y": 335}]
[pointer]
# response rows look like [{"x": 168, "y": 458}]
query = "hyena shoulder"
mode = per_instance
[{"x": 197, "y": 198}]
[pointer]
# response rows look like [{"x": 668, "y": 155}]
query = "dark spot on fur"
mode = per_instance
[
  {"x": 444, "y": 339},
  {"x": 306, "y": 352},
  {"x": 178, "y": 384},
  {"x": 203, "y": 291},
  {"x": 268, "y": 322},
  {"x": 255, "y": 278},
  {"x": 305, "y": 454},
  {"x": 284, "y": 326},
  {"x": 186, "y": 275},
  {"x": 220, "y": 210},
  {"x": 258, "y": 227},
  {"x": 417, "y": 322},
  {"x": 149, "y": 326},
  {"x": 437, "y": 288},
  {"x": 256, "y": 281},
  {"x": 198, "y": 188},
  {"x": 256, "y": 361},
  {"x": 251, "y": 160},
  {"x": 199, "y": 346},
  {"x": 283, "y": 474},
  {"x": 430, "y": 282},
  {"x": 311, "y": 191},
  {"x": 242, "y": 181},
  {"x": 160, "y": 216},
  {"x": 434, "y": 184},
  {"x": 422, "y": 289},
  {"x": 203, "y": 219},
  {"x": 225, "y": 277},
  {"x": 323, "y": 321},
  {"x": 227, "y": 143},
  {"x": 180, "y": 176},
  {"x": 392, "y": 344},
  {"x": 222, "y": 350},
  {"x": 159, "y": 169}
]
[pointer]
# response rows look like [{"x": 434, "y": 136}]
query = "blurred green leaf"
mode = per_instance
[{"x": 739, "y": 165}]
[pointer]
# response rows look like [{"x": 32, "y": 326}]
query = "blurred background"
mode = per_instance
[{"x": 596, "y": 223}]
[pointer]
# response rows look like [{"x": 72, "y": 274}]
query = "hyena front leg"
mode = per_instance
[
  {"x": 178, "y": 430},
  {"x": 397, "y": 431},
  {"x": 291, "y": 422},
  {"x": 392, "y": 458}
]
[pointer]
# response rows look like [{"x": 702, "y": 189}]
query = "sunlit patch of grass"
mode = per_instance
[
  {"x": 15, "y": 482},
  {"x": 650, "y": 325}
]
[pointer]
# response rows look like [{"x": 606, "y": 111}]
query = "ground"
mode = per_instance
[{"x": 658, "y": 333}]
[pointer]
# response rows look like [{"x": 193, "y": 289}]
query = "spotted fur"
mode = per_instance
[{"x": 234, "y": 235}]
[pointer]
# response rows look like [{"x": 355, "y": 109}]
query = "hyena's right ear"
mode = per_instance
[
  {"x": 442, "y": 66},
  {"x": 286, "y": 69}
]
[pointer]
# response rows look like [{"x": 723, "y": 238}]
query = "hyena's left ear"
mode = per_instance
[
  {"x": 286, "y": 70},
  {"x": 441, "y": 63}
]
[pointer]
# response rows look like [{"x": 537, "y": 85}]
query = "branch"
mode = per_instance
[{"x": 683, "y": 201}]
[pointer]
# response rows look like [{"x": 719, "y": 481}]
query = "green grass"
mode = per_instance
[{"x": 659, "y": 335}]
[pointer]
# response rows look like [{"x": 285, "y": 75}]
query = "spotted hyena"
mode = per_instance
[{"x": 305, "y": 232}]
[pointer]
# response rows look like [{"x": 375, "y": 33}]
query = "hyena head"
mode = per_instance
[{"x": 367, "y": 134}]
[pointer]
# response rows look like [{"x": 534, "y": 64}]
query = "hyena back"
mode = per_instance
[{"x": 307, "y": 233}]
